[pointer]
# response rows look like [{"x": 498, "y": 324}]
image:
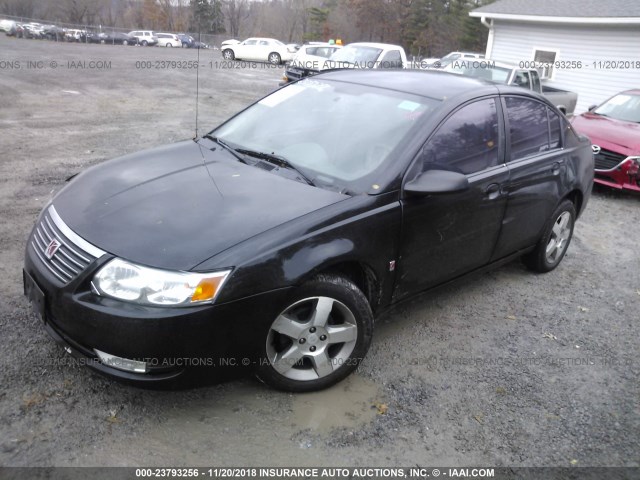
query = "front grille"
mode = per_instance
[
  {"x": 60, "y": 250},
  {"x": 607, "y": 160}
]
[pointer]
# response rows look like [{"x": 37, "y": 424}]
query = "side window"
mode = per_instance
[
  {"x": 250, "y": 42},
  {"x": 555, "y": 138},
  {"x": 263, "y": 42},
  {"x": 391, "y": 59},
  {"x": 528, "y": 125},
  {"x": 467, "y": 142},
  {"x": 522, "y": 80}
]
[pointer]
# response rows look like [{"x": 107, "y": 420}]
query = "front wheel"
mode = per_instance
[
  {"x": 555, "y": 239},
  {"x": 319, "y": 338},
  {"x": 275, "y": 58},
  {"x": 228, "y": 54},
  {"x": 144, "y": 43}
]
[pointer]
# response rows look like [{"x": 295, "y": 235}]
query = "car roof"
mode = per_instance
[
  {"x": 373, "y": 45},
  {"x": 432, "y": 84}
]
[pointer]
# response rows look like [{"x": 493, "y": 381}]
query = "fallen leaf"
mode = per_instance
[
  {"x": 479, "y": 418},
  {"x": 511, "y": 317},
  {"x": 381, "y": 408},
  {"x": 501, "y": 390},
  {"x": 112, "y": 418},
  {"x": 549, "y": 335},
  {"x": 574, "y": 462},
  {"x": 583, "y": 309},
  {"x": 33, "y": 400}
]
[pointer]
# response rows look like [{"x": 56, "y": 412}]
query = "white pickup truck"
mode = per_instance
[
  {"x": 355, "y": 55},
  {"x": 509, "y": 74}
]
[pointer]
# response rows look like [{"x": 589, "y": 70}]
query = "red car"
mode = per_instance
[{"x": 614, "y": 130}]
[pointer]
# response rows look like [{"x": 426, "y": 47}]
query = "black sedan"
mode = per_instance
[
  {"x": 270, "y": 244},
  {"x": 116, "y": 38}
]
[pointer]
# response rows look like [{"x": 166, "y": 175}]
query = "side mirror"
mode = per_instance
[
  {"x": 437, "y": 182},
  {"x": 592, "y": 108}
]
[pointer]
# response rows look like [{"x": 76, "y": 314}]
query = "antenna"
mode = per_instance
[{"x": 198, "y": 75}]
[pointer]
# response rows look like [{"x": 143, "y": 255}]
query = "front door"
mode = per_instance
[{"x": 446, "y": 235}]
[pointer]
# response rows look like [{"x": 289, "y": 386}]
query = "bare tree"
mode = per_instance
[{"x": 236, "y": 11}]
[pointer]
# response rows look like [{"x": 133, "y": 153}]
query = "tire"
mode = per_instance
[
  {"x": 144, "y": 43},
  {"x": 274, "y": 58},
  {"x": 328, "y": 319},
  {"x": 168, "y": 45},
  {"x": 555, "y": 240},
  {"x": 103, "y": 41},
  {"x": 228, "y": 54},
  {"x": 125, "y": 43}
]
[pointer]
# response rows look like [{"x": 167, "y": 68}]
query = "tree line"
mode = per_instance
[{"x": 426, "y": 28}]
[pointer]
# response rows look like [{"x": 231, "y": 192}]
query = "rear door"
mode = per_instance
[{"x": 536, "y": 164}]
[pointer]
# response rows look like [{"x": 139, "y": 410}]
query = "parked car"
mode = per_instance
[
  {"x": 54, "y": 33},
  {"x": 270, "y": 244},
  {"x": 16, "y": 30},
  {"x": 511, "y": 74},
  {"x": 369, "y": 55},
  {"x": 7, "y": 25},
  {"x": 258, "y": 49},
  {"x": 452, "y": 57},
  {"x": 32, "y": 30},
  {"x": 117, "y": 38},
  {"x": 365, "y": 55},
  {"x": 145, "y": 37},
  {"x": 187, "y": 40},
  {"x": 168, "y": 40},
  {"x": 76, "y": 35},
  {"x": 614, "y": 130},
  {"x": 309, "y": 57}
]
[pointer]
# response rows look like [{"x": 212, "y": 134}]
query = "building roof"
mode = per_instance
[{"x": 565, "y": 11}]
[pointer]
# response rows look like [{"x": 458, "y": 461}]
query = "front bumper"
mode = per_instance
[
  {"x": 179, "y": 346},
  {"x": 625, "y": 176}
]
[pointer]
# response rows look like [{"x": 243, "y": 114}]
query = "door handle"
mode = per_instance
[
  {"x": 555, "y": 168},
  {"x": 492, "y": 191}
]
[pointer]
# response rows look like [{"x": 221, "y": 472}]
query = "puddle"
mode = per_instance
[{"x": 348, "y": 404}]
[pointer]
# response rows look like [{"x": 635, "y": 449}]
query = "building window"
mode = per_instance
[{"x": 546, "y": 60}]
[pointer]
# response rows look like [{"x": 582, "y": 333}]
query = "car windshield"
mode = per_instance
[
  {"x": 340, "y": 135},
  {"x": 624, "y": 106},
  {"x": 357, "y": 55}
]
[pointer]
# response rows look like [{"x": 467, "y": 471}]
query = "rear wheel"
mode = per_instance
[
  {"x": 319, "y": 338},
  {"x": 555, "y": 239}
]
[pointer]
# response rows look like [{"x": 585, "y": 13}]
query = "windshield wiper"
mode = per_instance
[
  {"x": 231, "y": 150},
  {"x": 276, "y": 160}
]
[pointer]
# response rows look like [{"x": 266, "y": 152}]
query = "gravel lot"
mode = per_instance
[{"x": 505, "y": 369}]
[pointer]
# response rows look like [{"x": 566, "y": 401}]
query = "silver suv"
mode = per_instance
[{"x": 145, "y": 37}]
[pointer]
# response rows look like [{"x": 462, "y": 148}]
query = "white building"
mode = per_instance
[{"x": 594, "y": 45}]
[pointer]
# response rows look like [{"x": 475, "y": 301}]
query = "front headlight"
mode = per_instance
[{"x": 150, "y": 286}]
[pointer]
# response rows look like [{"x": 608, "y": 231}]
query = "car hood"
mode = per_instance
[
  {"x": 609, "y": 133},
  {"x": 175, "y": 206}
]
